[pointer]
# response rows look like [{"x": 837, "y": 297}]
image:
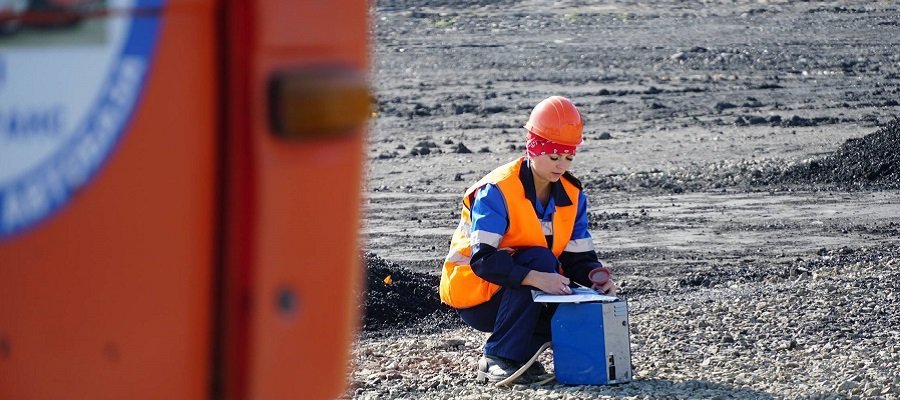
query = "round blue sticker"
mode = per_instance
[{"x": 66, "y": 97}]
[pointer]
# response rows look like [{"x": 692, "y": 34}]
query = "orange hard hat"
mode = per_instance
[{"x": 557, "y": 120}]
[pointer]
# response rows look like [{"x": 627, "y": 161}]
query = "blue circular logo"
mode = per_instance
[{"x": 66, "y": 97}]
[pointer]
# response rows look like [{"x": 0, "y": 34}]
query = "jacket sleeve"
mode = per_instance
[
  {"x": 579, "y": 257},
  {"x": 490, "y": 220}
]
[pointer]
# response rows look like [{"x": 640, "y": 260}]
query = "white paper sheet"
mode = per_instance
[{"x": 579, "y": 295}]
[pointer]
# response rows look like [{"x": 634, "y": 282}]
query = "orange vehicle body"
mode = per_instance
[{"x": 209, "y": 256}]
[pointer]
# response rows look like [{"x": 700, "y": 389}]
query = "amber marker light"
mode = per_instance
[{"x": 318, "y": 103}]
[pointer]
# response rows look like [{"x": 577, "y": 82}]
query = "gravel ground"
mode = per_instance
[{"x": 823, "y": 328}]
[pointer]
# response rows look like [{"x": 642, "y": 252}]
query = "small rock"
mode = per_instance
[
  {"x": 461, "y": 149},
  {"x": 847, "y": 386},
  {"x": 756, "y": 120},
  {"x": 723, "y": 105}
]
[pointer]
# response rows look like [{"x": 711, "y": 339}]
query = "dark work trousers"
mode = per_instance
[{"x": 518, "y": 326}]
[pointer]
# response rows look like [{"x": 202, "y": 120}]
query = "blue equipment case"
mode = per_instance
[{"x": 591, "y": 343}]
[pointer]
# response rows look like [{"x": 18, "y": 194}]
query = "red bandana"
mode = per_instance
[{"x": 537, "y": 146}]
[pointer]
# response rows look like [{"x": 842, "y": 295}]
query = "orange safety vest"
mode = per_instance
[{"x": 460, "y": 287}]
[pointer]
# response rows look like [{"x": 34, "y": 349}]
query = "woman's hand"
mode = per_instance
[{"x": 548, "y": 282}]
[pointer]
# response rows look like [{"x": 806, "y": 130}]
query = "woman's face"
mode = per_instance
[{"x": 550, "y": 167}]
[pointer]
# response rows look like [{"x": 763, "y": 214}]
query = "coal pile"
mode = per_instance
[
  {"x": 729, "y": 274},
  {"x": 400, "y": 299},
  {"x": 871, "y": 162}
]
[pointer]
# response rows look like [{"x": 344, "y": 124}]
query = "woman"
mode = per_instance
[{"x": 523, "y": 227}]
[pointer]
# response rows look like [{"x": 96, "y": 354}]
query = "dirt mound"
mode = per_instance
[
  {"x": 872, "y": 161},
  {"x": 412, "y": 4},
  {"x": 407, "y": 300},
  {"x": 770, "y": 272}
]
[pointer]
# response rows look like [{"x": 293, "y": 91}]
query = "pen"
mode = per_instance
[{"x": 595, "y": 290}]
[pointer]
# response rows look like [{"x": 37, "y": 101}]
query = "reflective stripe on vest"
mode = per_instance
[
  {"x": 580, "y": 245},
  {"x": 460, "y": 287}
]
